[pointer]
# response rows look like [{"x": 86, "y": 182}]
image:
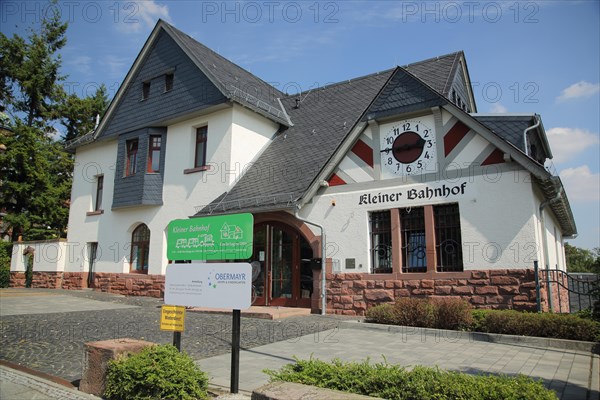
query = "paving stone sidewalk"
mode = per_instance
[
  {"x": 572, "y": 374},
  {"x": 17, "y": 385}
]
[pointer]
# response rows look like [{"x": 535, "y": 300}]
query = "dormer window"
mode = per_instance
[
  {"x": 145, "y": 90},
  {"x": 168, "y": 82}
]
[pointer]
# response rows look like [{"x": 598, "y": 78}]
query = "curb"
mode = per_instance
[{"x": 532, "y": 341}]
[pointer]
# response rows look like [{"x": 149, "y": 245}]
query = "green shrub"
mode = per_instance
[
  {"x": 439, "y": 313},
  {"x": 411, "y": 311},
  {"x": 452, "y": 314},
  {"x": 5, "y": 254},
  {"x": 394, "y": 382},
  {"x": 157, "y": 372},
  {"x": 560, "y": 326},
  {"x": 382, "y": 314}
]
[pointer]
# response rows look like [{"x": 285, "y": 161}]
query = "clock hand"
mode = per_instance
[{"x": 419, "y": 143}]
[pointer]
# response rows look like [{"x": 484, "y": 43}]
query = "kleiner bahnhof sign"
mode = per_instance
[{"x": 222, "y": 237}]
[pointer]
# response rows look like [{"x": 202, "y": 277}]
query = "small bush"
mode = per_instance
[
  {"x": 157, "y": 372},
  {"x": 411, "y": 311},
  {"x": 382, "y": 314},
  {"x": 452, "y": 314},
  {"x": 5, "y": 253},
  {"x": 396, "y": 383},
  {"x": 427, "y": 313},
  {"x": 560, "y": 326}
]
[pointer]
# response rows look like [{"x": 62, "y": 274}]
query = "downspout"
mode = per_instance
[
  {"x": 323, "y": 262},
  {"x": 545, "y": 242},
  {"x": 527, "y": 130}
]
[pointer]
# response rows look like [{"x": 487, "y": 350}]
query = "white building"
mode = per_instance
[{"x": 418, "y": 194}]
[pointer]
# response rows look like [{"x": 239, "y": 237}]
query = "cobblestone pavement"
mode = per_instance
[{"x": 53, "y": 342}]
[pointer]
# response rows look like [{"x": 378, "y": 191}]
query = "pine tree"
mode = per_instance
[{"x": 35, "y": 169}]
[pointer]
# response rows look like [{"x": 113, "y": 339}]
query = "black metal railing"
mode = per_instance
[{"x": 575, "y": 289}]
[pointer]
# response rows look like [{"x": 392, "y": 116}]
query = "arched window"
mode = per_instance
[{"x": 140, "y": 247}]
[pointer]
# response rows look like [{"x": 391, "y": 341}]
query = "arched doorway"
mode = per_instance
[{"x": 285, "y": 257}]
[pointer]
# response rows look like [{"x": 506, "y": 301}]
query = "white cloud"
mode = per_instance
[
  {"x": 143, "y": 15},
  {"x": 81, "y": 64},
  {"x": 498, "y": 108},
  {"x": 579, "y": 90},
  {"x": 581, "y": 184},
  {"x": 116, "y": 65},
  {"x": 566, "y": 143}
]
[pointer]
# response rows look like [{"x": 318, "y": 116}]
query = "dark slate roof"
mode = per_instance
[
  {"x": 288, "y": 166},
  {"x": 233, "y": 80},
  {"x": 508, "y": 127},
  {"x": 437, "y": 72},
  {"x": 404, "y": 94}
]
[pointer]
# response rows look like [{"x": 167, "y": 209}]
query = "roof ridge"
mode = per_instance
[
  {"x": 180, "y": 32},
  {"x": 452, "y": 70},
  {"x": 359, "y": 78},
  {"x": 435, "y": 58}
]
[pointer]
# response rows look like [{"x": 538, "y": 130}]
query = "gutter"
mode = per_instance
[
  {"x": 323, "y": 261},
  {"x": 538, "y": 122}
]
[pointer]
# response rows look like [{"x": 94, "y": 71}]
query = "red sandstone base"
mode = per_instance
[
  {"x": 351, "y": 293},
  {"x": 98, "y": 354}
]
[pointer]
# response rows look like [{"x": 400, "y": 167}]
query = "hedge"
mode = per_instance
[
  {"x": 457, "y": 314},
  {"x": 397, "y": 383}
]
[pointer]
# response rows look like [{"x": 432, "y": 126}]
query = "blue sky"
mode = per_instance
[{"x": 530, "y": 56}]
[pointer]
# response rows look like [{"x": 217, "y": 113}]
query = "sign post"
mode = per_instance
[
  {"x": 215, "y": 285},
  {"x": 172, "y": 318},
  {"x": 223, "y": 285}
]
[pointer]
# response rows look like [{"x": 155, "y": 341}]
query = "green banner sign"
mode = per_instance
[{"x": 222, "y": 237}]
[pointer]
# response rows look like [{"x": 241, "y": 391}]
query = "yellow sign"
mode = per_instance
[{"x": 172, "y": 318}]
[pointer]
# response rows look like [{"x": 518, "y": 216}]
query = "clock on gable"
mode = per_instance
[{"x": 408, "y": 147}]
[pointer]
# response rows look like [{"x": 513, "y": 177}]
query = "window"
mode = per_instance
[
  {"x": 200, "y": 154},
  {"x": 447, "y": 238},
  {"x": 131, "y": 164},
  {"x": 154, "y": 153},
  {"x": 168, "y": 82},
  {"x": 416, "y": 237},
  {"x": 414, "y": 254},
  {"x": 145, "y": 90},
  {"x": 381, "y": 242},
  {"x": 140, "y": 248},
  {"x": 99, "y": 190}
]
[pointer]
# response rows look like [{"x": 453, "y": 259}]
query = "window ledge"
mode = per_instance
[
  {"x": 197, "y": 169},
  {"x": 97, "y": 212},
  {"x": 143, "y": 272}
]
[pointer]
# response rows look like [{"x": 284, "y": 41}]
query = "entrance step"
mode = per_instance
[{"x": 259, "y": 312}]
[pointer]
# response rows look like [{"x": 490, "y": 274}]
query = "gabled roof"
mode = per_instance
[
  {"x": 437, "y": 72},
  {"x": 511, "y": 127},
  {"x": 285, "y": 170},
  {"x": 234, "y": 81}
]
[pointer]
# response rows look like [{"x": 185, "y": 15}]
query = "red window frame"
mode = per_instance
[
  {"x": 140, "y": 249},
  {"x": 132, "y": 150},
  {"x": 201, "y": 140},
  {"x": 154, "y": 146}
]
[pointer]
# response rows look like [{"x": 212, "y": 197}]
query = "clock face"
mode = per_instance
[{"x": 408, "y": 147}]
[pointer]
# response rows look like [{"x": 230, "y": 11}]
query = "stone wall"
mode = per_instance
[
  {"x": 17, "y": 279},
  {"x": 353, "y": 294},
  {"x": 130, "y": 284},
  {"x": 126, "y": 284}
]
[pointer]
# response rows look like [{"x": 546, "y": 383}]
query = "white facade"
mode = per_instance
[{"x": 235, "y": 137}]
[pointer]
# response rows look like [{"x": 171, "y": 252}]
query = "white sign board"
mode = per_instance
[{"x": 214, "y": 285}]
